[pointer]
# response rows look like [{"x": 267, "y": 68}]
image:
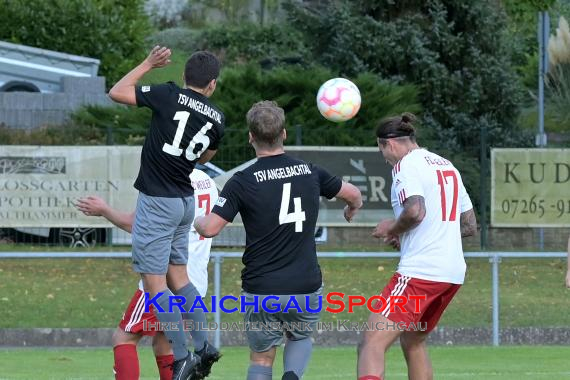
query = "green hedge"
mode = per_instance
[{"x": 110, "y": 30}]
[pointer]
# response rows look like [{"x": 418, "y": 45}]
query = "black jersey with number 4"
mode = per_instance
[
  {"x": 278, "y": 200},
  {"x": 184, "y": 125}
]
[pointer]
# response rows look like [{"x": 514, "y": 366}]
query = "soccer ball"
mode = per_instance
[{"x": 338, "y": 100}]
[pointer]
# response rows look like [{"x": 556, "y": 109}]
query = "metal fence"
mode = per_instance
[{"x": 495, "y": 259}]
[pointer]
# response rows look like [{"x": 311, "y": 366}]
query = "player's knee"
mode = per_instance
[
  {"x": 160, "y": 345},
  {"x": 264, "y": 359},
  {"x": 412, "y": 341},
  {"x": 364, "y": 341},
  {"x": 120, "y": 337}
]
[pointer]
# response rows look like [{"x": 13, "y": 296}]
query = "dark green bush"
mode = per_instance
[
  {"x": 110, "y": 30},
  {"x": 248, "y": 42},
  {"x": 53, "y": 135}
]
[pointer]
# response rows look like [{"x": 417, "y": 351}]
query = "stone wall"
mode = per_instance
[
  {"x": 25, "y": 110},
  {"x": 101, "y": 337}
]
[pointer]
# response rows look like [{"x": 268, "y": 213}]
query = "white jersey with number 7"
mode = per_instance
[
  {"x": 432, "y": 250},
  {"x": 205, "y": 196}
]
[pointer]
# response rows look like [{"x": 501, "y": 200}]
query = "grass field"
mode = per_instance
[
  {"x": 94, "y": 292},
  {"x": 505, "y": 363}
]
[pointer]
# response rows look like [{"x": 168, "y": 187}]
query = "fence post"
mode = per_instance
[
  {"x": 298, "y": 135},
  {"x": 110, "y": 136},
  {"x": 217, "y": 292},
  {"x": 495, "y": 260}
]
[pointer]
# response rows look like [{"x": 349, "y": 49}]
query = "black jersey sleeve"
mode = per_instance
[
  {"x": 228, "y": 204},
  {"x": 152, "y": 96},
  {"x": 330, "y": 184}
]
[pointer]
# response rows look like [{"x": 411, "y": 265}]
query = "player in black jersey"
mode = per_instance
[
  {"x": 278, "y": 199},
  {"x": 185, "y": 129}
]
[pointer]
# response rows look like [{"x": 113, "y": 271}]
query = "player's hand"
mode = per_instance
[
  {"x": 381, "y": 230},
  {"x": 349, "y": 213},
  {"x": 568, "y": 279},
  {"x": 393, "y": 241},
  {"x": 92, "y": 206},
  {"x": 158, "y": 57}
]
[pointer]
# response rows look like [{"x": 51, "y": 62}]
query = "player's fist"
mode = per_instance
[
  {"x": 349, "y": 213},
  {"x": 381, "y": 230},
  {"x": 158, "y": 57},
  {"x": 568, "y": 279}
]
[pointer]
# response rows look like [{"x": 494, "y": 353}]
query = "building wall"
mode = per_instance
[{"x": 27, "y": 110}]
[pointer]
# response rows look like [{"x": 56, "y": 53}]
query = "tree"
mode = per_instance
[
  {"x": 454, "y": 50},
  {"x": 110, "y": 30}
]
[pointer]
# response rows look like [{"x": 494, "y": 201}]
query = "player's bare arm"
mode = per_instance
[
  {"x": 95, "y": 206},
  {"x": 568, "y": 270},
  {"x": 207, "y": 156},
  {"x": 124, "y": 90},
  {"x": 413, "y": 214},
  {"x": 353, "y": 198},
  {"x": 209, "y": 225},
  {"x": 468, "y": 223}
]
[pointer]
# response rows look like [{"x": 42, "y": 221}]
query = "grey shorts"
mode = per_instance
[
  {"x": 265, "y": 330},
  {"x": 160, "y": 232}
]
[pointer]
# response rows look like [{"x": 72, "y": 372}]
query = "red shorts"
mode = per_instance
[
  {"x": 413, "y": 300},
  {"x": 135, "y": 320}
]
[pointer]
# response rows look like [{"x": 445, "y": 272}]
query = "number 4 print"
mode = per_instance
[
  {"x": 297, "y": 216},
  {"x": 442, "y": 181}
]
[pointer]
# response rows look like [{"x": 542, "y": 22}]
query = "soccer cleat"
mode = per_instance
[
  {"x": 290, "y": 375},
  {"x": 208, "y": 356},
  {"x": 186, "y": 369}
]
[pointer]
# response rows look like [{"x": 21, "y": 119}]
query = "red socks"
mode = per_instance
[
  {"x": 126, "y": 362},
  {"x": 369, "y": 377},
  {"x": 164, "y": 364}
]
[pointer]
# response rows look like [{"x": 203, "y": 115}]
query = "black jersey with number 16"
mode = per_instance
[
  {"x": 184, "y": 125},
  {"x": 278, "y": 200}
]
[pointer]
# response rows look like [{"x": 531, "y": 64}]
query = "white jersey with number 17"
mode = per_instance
[
  {"x": 205, "y": 196},
  {"x": 432, "y": 250}
]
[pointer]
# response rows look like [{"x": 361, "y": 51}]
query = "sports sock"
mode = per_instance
[
  {"x": 199, "y": 333},
  {"x": 126, "y": 362},
  {"x": 164, "y": 364},
  {"x": 176, "y": 337},
  {"x": 369, "y": 377},
  {"x": 259, "y": 372},
  {"x": 296, "y": 356}
]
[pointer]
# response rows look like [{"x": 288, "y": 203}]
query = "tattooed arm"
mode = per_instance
[
  {"x": 413, "y": 214},
  {"x": 468, "y": 223}
]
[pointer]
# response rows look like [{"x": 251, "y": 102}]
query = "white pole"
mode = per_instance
[{"x": 543, "y": 34}]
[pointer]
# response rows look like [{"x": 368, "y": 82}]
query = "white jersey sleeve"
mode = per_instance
[
  {"x": 406, "y": 183},
  {"x": 433, "y": 249},
  {"x": 205, "y": 196},
  {"x": 466, "y": 204}
]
